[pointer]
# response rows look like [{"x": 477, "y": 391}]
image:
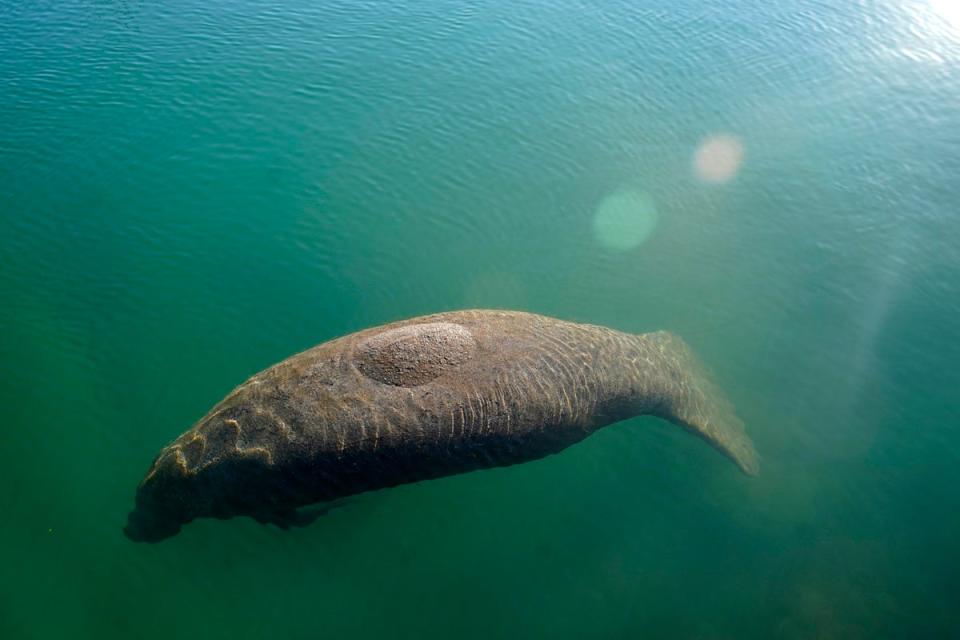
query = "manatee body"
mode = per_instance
[{"x": 419, "y": 399}]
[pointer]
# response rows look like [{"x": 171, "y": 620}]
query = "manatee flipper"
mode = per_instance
[
  {"x": 306, "y": 515},
  {"x": 281, "y": 518},
  {"x": 290, "y": 518},
  {"x": 700, "y": 406}
]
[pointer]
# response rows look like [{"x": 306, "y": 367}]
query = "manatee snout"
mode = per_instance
[
  {"x": 157, "y": 514},
  {"x": 146, "y": 525}
]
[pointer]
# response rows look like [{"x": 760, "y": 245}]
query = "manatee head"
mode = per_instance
[
  {"x": 164, "y": 499},
  {"x": 222, "y": 467}
]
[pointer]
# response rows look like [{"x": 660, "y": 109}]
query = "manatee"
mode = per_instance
[{"x": 418, "y": 399}]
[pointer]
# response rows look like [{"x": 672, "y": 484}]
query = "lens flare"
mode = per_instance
[
  {"x": 624, "y": 219},
  {"x": 718, "y": 158}
]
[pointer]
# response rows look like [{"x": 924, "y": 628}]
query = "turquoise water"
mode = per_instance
[{"x": 190, "y": 192}]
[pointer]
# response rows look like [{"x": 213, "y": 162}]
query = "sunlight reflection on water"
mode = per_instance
[
  {"x": 718, "y": 158},
  {"x": 624, "y": 219}
]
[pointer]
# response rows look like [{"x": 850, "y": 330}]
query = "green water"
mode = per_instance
[{"x": 191, "y": 191}]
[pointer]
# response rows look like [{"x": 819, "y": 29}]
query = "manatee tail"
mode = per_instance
[{"x": 695, "y": 402}]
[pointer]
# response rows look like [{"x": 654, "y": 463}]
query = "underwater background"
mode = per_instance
[{"x": 191, "y": 191}]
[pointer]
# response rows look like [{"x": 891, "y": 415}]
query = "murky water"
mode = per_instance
[{"x": 192, "y": 191}]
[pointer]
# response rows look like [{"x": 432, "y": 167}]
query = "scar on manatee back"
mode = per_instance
[{"x": 414, "y": 355}]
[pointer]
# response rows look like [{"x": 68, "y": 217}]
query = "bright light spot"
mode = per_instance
[
  {"x": 624, "y": 219},
  {"x": 949, "y": 10},
  {"x": 718, "y": 158}
]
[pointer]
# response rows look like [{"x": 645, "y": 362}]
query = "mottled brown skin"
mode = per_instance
[{"x": 419, "y": 399}]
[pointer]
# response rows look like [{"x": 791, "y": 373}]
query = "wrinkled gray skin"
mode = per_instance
[{"x": 419, "y": 399}]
